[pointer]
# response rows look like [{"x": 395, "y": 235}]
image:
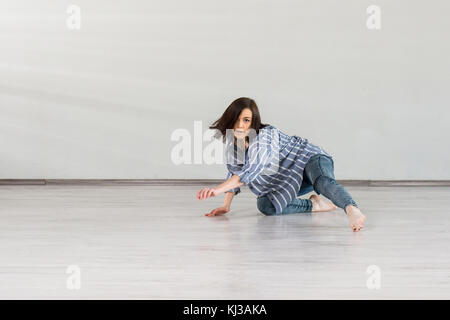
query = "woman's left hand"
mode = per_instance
[{"x": 205, "y": 193}]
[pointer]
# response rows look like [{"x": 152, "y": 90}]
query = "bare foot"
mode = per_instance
[
  {"x": 321, "y": 205},
  {"x": 355, "y": 217}
]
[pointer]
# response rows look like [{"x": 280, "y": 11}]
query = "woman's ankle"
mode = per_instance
[{"x": 349, "y": 208}]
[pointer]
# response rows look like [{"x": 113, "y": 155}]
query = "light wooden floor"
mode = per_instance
[{"x": 154, "y": 242}]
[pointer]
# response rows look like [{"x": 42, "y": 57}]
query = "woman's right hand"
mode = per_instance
[{"x": 217, "y": 211}]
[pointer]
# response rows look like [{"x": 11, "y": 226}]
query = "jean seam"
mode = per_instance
[
  {"x": 323, "y": 172},
  {"x": 320, "y": 166}
]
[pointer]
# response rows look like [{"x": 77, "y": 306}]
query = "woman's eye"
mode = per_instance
[{"x": 247, "y": 120}]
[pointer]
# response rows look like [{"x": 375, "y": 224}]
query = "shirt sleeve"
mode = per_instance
[
  {"x": 263, "y": 155},
  {"x": 236, "y": 190}
]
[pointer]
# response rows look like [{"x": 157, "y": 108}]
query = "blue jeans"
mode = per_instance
[{"x": 318, "y": 176}]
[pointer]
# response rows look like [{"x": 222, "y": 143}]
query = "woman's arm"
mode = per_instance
[
  {"x": 228, "y": 198},
  {"x": 233, "y": 182},
  {"x": 225, "y": 208},
  {"x": 229, "y": 184}
]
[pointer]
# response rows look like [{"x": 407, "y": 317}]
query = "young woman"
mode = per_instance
[{"x": 277, "y": 168}]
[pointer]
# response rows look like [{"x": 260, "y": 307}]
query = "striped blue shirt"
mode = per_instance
[{"x": 273, "y": 165}]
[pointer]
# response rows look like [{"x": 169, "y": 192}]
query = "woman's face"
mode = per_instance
[{"x": 243, "y": 124}]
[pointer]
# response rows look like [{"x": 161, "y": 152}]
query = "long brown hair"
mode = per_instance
[{"x": 231, "y": 115}]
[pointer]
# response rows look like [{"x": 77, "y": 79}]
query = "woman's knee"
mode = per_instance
[
  {"x": 322, "y": 182},
  {"x": 265, "y": 206},
  {"x": 319, "y": 165}
]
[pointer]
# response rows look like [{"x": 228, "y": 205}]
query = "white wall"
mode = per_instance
[{"x": 103, "y": 101}]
